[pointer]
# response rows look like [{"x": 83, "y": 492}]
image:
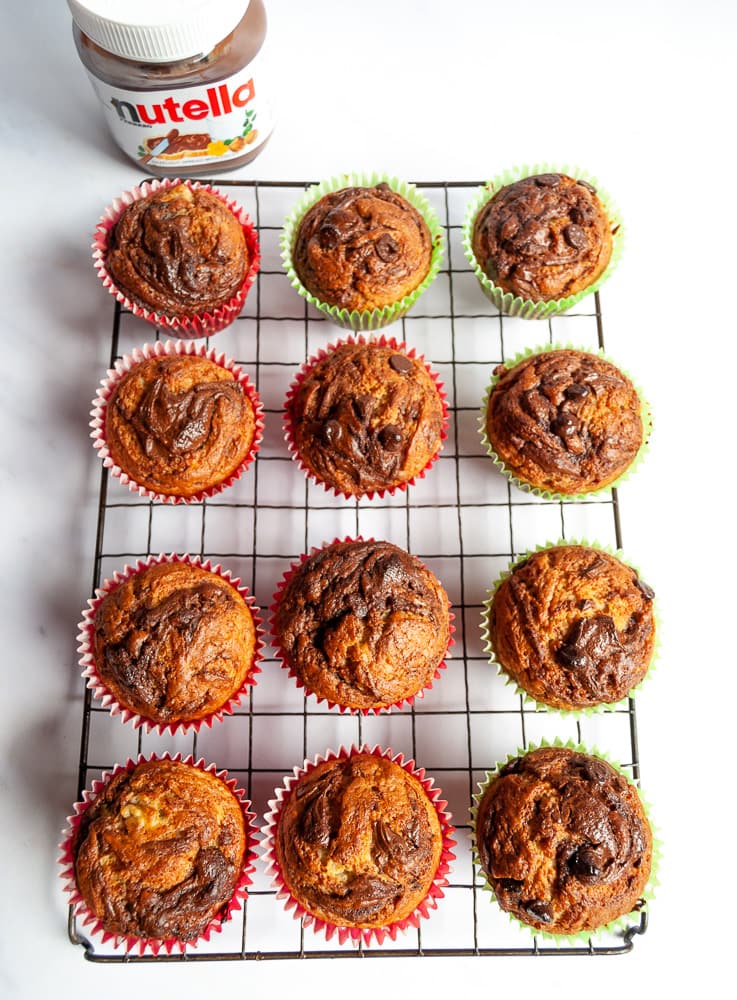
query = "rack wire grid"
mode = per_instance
[{"x": 464, "y": 520}]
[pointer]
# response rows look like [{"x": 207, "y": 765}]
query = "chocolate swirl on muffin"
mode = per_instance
[
  {"x": 564, "y": 841},
  {"x": 358, "y": 842},
  {"x": 363, "y": 623},
  {"x": 362, "y": 248},
  {"x": 543, "y": 237},
  {"x": 565, "y": 421}
]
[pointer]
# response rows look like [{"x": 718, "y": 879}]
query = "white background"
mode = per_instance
[{"x": 641, "y": 94}]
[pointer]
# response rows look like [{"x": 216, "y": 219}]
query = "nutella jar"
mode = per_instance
[{"x": 183, "y": 83}]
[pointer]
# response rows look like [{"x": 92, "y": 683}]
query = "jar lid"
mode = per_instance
[{"x": 157, "y": 30}]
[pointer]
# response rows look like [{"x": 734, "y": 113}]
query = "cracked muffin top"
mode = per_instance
[
  {"x": 362, "y": 248},
  {"x": 564, "y": 841},
  {"x": 363, "y": 624},
  {"x": 543, "y": 238},
  {"x": 565, "y": 421},
  {"x": 358, "y": 842}
]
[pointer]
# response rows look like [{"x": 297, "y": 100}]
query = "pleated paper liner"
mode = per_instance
[
  {"x": 207, "y": 323},
  {"x": 286, "y": 663},
  {"x": 615, "y": 926},
  {"x": 514, "y": 684},
  {"x": 549, "y": 494},
  {"x": 366, "y": 936},
  {"x": 304, "y": 371},
  {"x": 161, "y": 349},
  {"x": 93, "y": 925},
  {"x": 368, "y": 319},
  {"x": 108, "y": 700},
  {"x": 514, "y": 305}
]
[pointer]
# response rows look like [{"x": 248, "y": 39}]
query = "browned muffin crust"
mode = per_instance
[
  {"x": 358, "y": 842},
  {"x": 564, "y": 841},
  {"x": 565, "y": 421},
  {"x": 174, "y": 642},
  {"x": 574, "y": 627},
  {"x": 544, "y": 237},
  {"x": 178, "y": 251},
  {"x": 366, "y": 417},
  {"x": 179, "y": 424},
  {"x": 362, "y": 248},
  {"x": 158, "y": 854},
  {"x": 363, "y": 623}
]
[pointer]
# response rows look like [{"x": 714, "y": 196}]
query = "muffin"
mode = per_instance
[
  {"x": 178, "y": 424},
  {"x": 178, "y": 254},
  {"x": 160, "y": 852},
  {"x": 563, "y": 840},
  {"x": 362, "y": 624},
  {"x": 573, "y": 626},
  {"x": 362, "y": 248},
  {"x": 358, "y": 842},
  {"x": 564, "y": 421},
  {"x": 366, "y": 417},
  {"x": 172, "y": 642}
]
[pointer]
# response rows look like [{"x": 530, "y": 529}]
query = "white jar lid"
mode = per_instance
[{"x": 157, "y": 30}]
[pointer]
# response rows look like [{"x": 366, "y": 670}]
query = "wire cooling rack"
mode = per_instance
[{"x": 464, "y": 520}]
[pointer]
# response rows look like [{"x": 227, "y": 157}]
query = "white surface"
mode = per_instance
[{"x": 641, "y": 94}]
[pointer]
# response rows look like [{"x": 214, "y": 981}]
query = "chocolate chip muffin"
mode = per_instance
[
  {"x": 573, "y": 626},
  {"x": 363, "y": 624},
  {"x": 366, "y": 417},
  {"x": 159, "y": 852},
  {"x": 173, "y": 642},
  {"x": 179, "y": 252},
  {"x": 543, "y": 238},
  {"x": 362, "y": 248},
  {"x": 564, "y": 841},
  {"x": 564, "y": 421},
  {"x": 358, "y": 842},
  {"x": 179, "y": 424}
]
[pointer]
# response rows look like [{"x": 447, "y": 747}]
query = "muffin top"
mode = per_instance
[
  {"x": 358, "y": 842},
  {"x": 179, "y": 424},
  {"x": 543, "y": 238},
  {"x": 174, "y": 642},
  {"x": 362, "y": 248},
  {"x": 573, "y": 626},
  {"x": 366, "y": 417},
  {"x": 363, "y": 624},
  {"x": 565, "y": 421},
  {"x": 179, "y": 252},
  {"x": 564, "y": 841},
  {"x": 159, "y": 852}
]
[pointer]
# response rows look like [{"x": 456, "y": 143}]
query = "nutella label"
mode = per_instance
[{"x": 190, "y": 125}]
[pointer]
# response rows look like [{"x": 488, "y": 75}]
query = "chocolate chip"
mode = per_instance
[
  {"x": 576, "y": 391},
  {"x": 538, "y": 910},
  {"x": 332, "y": 432},
  {"x": 547, "y": 180},
  {"x": 329, "y": 237},
  {"x": 390, "y": 437},
  {"x": 400, "y": 363},
  {"x": 510, "y": 226},
  {"x": 583, "y": 863},
  {"x": 589, "y": 641},
  {"x": 647, "y": 592},
  {"x": 589, "y": 187},
  {"x": 510, "y": 885},
  {"x": 386, "y": 248},
  {"x": 576, "y": 237},
  {"x": 565, "y": 425}
]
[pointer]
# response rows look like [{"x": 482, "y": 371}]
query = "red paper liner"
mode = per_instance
[
  {"x": 205, "y": 324},
  {"x": 299, "y": 378},
  {"x": 282, "y": 656},
  {"x": 161, "y": 349},
  {"x": 358, "y": 935},
  {"x": 86, "y": 649},
  {"x": 153, "y": 945}
]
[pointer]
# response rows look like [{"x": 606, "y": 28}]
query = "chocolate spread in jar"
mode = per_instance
[{"x": 187, "y": 92}]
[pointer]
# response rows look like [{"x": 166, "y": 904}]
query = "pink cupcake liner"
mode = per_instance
[
  {"x": 358, "y": 935},
  {"x": 203, "y": 325},
  {"x": 161, "y": 349},
  {"x": 92, "y": 923},
  {"x": 86, "y": 649},
  {"x": 282, "y": 656},
  {"x": 299, "y": 378}
]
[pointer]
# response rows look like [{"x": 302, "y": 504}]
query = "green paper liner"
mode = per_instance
[
  {"x": 539, "y": 706},
  {"x": 621, "y": 923},
  {"x": 367, "y": 319},
  {"x": 546, "y": 494},
  {"x": 514, "y": 305}
]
